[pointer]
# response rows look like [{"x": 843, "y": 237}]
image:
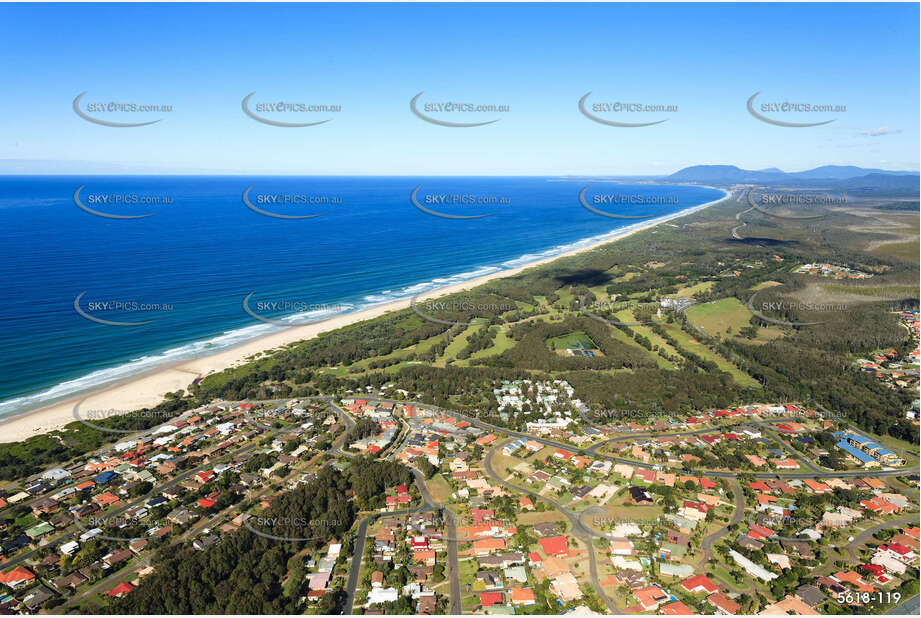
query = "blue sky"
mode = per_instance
[{"x": 538, "y": 59}]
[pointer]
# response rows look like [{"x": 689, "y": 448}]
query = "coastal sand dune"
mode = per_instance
[{"x": 149, "y": 389}]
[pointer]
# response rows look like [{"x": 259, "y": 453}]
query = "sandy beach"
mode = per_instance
[{"x": 149, "y": 388}]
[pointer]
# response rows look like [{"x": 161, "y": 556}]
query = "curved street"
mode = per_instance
[
  {"x": 707, "y": 544},
  {"x": 431, "y": 504},
  {"x": 578, "y": 528},
  {"x": 853, "y": 547}
]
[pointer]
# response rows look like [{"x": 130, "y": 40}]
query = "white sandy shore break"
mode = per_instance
[{"x": 148, "y": 389}]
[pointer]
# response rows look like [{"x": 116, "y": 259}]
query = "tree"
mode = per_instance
[{"x": 425, "y": 467}]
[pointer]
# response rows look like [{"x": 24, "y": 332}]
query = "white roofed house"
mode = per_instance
[
  {"x": 676, "y": 570},
  {"x": 811, "y": 534},
  {"x": 163, "y": 440},
  {"x": 887, "y": 561},
  {"x": 545, "y": 425},
  {"x": 382, "y": 595},
  {"x": 753, "y": 569},
  {"x": 56, "y": 474},
  {"x": 630, "y": 564},
  {"x": 601, "y": 466},
  {"x": 626, "y": 529},
  {"x": 225, "y": 428},
  {"x": 852, "y": 514}
]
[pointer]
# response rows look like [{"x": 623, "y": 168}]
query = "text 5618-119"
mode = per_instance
[{"x": 853, "y": 598}]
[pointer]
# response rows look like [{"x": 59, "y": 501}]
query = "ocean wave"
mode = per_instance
[{"x": 234, "y": 337}]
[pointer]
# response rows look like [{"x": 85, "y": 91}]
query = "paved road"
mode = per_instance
[
  {"x": 735, "y": 233},
  {"x": 355, "y": 566},
  {"x": 908, "y": 608},
  {"x": 451, "y": 525},
  {"x": 349, "y": 423},
  {"x": 362, "y": 533},
  {"x": 593, "y": 449},
  {"x": 773, "y": 435},
  {"x": 430, "y": 504},
  {"x": 854, "y": 546},
  {"x": 579, "y": 529},
  {"x": 725, "y": 474},
  {"x": 134, "y": 564},
  {"x": 737, "y": 517},
  {"x": 359, "y": 550}
]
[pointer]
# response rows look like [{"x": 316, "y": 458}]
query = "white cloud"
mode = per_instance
[{"x": 880, "y": 131}]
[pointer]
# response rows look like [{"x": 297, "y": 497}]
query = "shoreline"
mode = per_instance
[{"x": 148, "y": 388}]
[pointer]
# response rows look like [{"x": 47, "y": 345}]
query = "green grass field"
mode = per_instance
[
  {"x": 503, "y": 464},
  {"x": 621, "y": 336},
  {"x": 439, "y": 488},
  {"x": 656, "y": 340},
  {"x": 456, "y": 345},
  {"x": 635, "y": 513},
  {"x": 902, "y": 250},
  {"x": 336, "y": 371},
  {"x": 539, "y": 517},
  {"x": 689, "y": 291},
  {"x": 627, "y": 276},
  {"x": 720, "y": 317},
  {"x": 894, "y": 443},
  {"x": 577, "y": 339},
  {"x": 396, "y": 354},
  {"x": 887, "y": 291},
  {"x": 721, "y": 572},
  {"x": 566, "y": 297},
  {"x": 704, "y": 352},
  {"x": 426, "y": 344},
  {"x": 500, "y": 345}
]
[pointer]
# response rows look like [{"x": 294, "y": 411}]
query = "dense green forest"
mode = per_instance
[
  {"x": 811, "y": 364},
  {"x": 246, "y": 573}
]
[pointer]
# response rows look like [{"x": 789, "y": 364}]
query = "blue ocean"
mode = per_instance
[{"x": 105, "y": 277}]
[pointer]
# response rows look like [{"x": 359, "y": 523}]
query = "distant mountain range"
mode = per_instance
[{"x": 733, "y": 174}]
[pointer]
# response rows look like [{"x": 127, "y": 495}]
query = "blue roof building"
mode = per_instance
[
  {"x": 105, "y": 477},
  {"x": 866, "y": 446},
  {"x": 852, "y": 451}
]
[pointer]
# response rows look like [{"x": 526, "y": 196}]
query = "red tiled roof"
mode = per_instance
[
  {"x": 18, "y": 574},
  {"x": 488, "y": 599},
  {"x": 119, "y": 590},
  {"x": 554, "y": 546},
  {"x": 676, "y": 609},
  {"x": 699, "y": 581}
]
